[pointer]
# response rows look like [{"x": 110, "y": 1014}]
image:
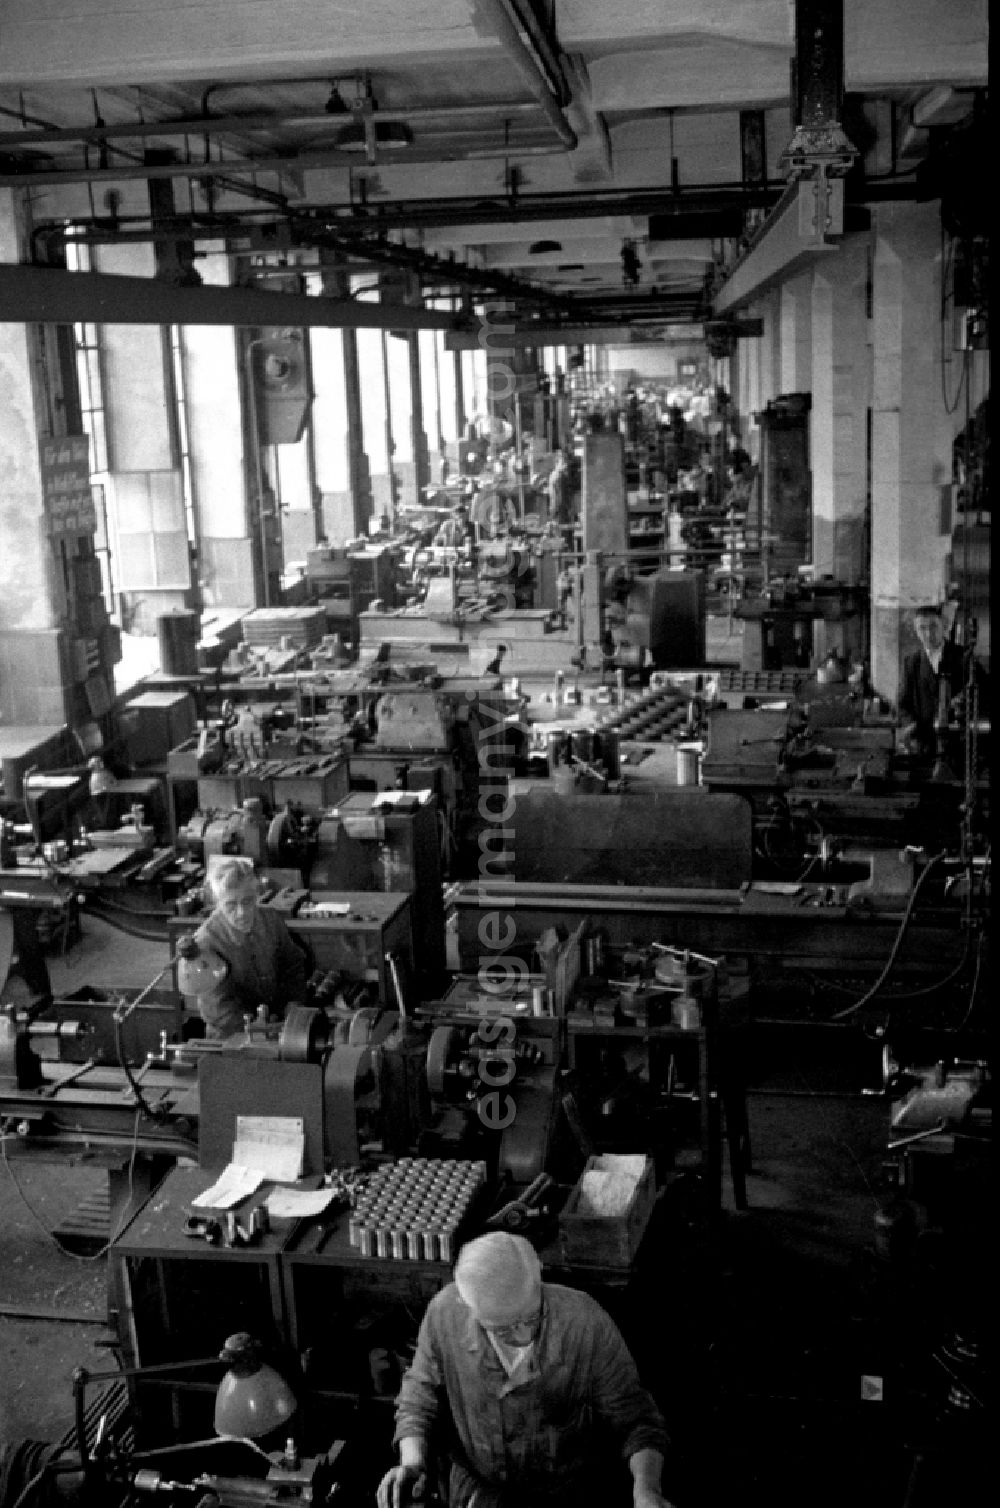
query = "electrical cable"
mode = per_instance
[
  {"x": 126, "y": 1068},
  {"x": 6, "y": 1136},
  {"x": 939, "y": 984},
  {"x": 181, "y": 1445},
  {"x": 870, "y": 994},
  {"x": 975, "y": 984},
  {"x": 947, "y": 304},
  {"x": 163, "y": 914},
  {"x": 25, "y": 1495},
  {"x": 114, "y": 919}
]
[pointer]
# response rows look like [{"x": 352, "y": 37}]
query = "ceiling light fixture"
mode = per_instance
[{"x": 336, "y": 104}]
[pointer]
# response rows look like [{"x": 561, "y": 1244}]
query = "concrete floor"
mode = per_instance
[
  {"x": 37, "y": 1355},
  {"x": 763, "y": 1336},
  {"x": 788, "y": 1268},
  {"x": 751, "y": 1335}
]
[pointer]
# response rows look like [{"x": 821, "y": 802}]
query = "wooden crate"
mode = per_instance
[{"x": 606, "y": 1240}]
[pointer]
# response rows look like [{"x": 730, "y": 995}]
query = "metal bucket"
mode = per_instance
[
  {"x": 178, "y": 633},
  {"x": 688, "y": 759},
  {"x": 555, "y": 746}
]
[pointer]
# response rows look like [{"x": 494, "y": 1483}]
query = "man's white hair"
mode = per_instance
[
  {"x": 499, "y": 1276},
  {"x": 232, "y": 875}
]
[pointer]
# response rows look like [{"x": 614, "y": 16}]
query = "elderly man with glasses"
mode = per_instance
[{"x": 526, "y": 1393}]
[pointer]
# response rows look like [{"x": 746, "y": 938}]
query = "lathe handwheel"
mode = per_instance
[
  {"x": 370, "y": 1025},
  {"x": 304, "y": 1035},
  {"x": 442, "y": 1047}
]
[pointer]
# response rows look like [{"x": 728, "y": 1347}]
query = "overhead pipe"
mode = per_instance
[
  {"x": 220, "y": 125},
  {"x": 484, "y": 209},
  {"x": 525, "y": 19},
  {"x": 300, "y": 161},
  {"x": 696, "y": 199},
  {"x": 516, "y": 40}
]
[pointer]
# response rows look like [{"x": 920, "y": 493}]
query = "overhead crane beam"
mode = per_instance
[{"x": 49, "y": 295}]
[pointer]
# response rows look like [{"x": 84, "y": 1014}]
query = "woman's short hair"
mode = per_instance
[{"x": 232, "y": 875}]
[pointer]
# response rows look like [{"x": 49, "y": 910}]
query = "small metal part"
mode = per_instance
[
  {"x": 430, "y": 1247},
  {"x": 200, "y": 1228}
]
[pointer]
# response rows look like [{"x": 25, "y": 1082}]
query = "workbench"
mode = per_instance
[{"x": 804, "y": 927}]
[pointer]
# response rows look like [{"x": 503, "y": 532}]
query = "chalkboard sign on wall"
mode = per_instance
[{"x": 66, "y": 489}]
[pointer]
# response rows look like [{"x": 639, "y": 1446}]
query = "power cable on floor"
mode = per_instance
[
  {"x": 890, "y": 963},
  {"x": 975, "y": 984},
  {"x": 6, "y": 1136},
  {"x": 26, "y": 1494}
]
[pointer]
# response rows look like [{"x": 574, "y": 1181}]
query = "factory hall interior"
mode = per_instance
[{"x": 495, "y": 747}]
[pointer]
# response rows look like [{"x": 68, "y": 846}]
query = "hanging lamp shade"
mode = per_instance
[
  {"x": 253, "y": 1399},
  {"x": 198, "y": 972}
]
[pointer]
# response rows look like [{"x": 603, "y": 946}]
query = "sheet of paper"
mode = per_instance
[
  {"x": 274, "y": 1143},
  {"x": 297, "y": 1204},
  {"x": 233, "y": 1184}
]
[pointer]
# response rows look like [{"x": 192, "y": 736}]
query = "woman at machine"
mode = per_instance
[{"x": 263, "y": 963}]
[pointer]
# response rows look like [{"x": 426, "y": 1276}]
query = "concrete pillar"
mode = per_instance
[
  {"x": 770, "y": 349},
  {"x": 911, "y": 432},
  {"x": 841, "y": 392},
  {"x": 794, "y": 334},
  {"x": 362, "y": 503},
  {"x": 458, "y": 385},
  {"x": 495, "y": 330},
  {"x": 418, "y": 434},
  {"x": 35, "y": 685},
  {"x": 763, "y": 368}
]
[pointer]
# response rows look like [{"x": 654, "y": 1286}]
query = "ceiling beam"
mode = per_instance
[
  {"x": 807, "y": 223},
  {"x": 49, "y": 295},
  {"x": 590, "y": 334}
]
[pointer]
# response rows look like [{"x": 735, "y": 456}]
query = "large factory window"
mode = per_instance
[
  {"x": 448, "y": 390},
  {"x": 474, "y": 382},
  {"x": 431, "y": 416},
  {"x": 331, "y": 432}
]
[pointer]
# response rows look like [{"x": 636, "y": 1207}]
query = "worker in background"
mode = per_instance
[
  {"x": 933, "y": 676},
  {"x": 455, "y": 530},
  {"x": 529, "y": 1390},
  {"x": 265, "y": 966},
  {"x": 557, "y": 487}
]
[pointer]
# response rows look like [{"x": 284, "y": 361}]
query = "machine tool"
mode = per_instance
[
  {"x": 806, "y": 781},
  {"x": 389, "y": 840},
  {"x": 253, "y": 1458},
  {"x": 492, "y": 1071}
]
